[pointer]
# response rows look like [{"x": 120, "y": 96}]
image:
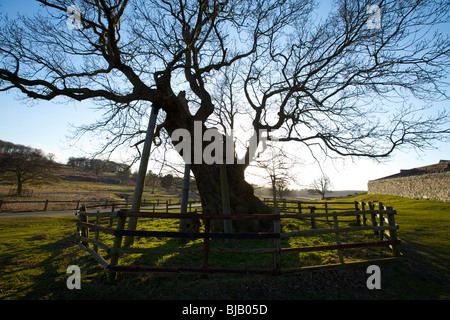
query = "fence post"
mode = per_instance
[
  {"x": 299, "y": 204},
  {"x": 277, "y": 243},
  {"x": 338, "y": 237},
  {"x": 373, "y": 217},
  {"x": 226, "y": 207},
  {"x": 84, "y": 232},
  {"x": 358, "y": 217},
  {"x": 206, "y": 242},
  {"x": 185, "y": 198},
  {"x": 97, "y": 222},
  {"x": 381, "y": 220},
  {"x": 313, "y": 220},
  {"x": 363, "y": 208},
  {"x": 46, "y": 205},
  {"x": 117, "y": 244},
  {"x": 393, "y": 233}
]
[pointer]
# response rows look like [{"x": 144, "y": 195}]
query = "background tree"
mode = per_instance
[
  {"x": 328, "y": 84},
  {"x": 277, "y": 165},
  {"x": 151, "y": 180},
  {"x": 24, "y": 165},
  {"x": 321, "y": 186},
  {"x": 166, "y": 181}
]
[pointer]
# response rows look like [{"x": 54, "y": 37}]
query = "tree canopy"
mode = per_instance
[
  {"x": 337, "y": 84},
  {"x": 321, "y": 82}
]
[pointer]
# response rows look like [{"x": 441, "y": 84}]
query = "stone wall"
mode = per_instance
[{"x": 432, "y": 186}]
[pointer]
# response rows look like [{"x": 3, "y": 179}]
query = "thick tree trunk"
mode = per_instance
[
  {"x": 242, "y": 197},
  {"x": 19, "y": 184},
  {"x": 207, "y": 176}
]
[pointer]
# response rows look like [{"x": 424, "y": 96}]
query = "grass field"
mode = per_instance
[
  {"x": 36, "y": 251},
  {"x": 85, "y": 192}
]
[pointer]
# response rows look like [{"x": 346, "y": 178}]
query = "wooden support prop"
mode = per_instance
[
  {"x": 137, "y": 198},
  {"x": 277, "y": 243},
  {"x": 185, "y": 196},
  {"x": 206, "y": 244},
  {"x": 226, "y": 208}
]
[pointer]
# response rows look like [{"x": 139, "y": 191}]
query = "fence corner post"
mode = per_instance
[
  {"x": 117, "y": 244},
  {"x": 393, "y": 232}
]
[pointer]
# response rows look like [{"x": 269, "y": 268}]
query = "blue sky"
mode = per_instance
[{"x": 46, "y": 125}]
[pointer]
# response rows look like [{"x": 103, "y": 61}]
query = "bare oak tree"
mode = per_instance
[
  {"x": 278, "y": 166},
  {"x": 24, "y": 165},
  {"x": 328, "y": 84},
  {"x": 321, "y": 186}
]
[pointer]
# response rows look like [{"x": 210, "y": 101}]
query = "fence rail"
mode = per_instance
[
  {"x": 381, "y": 221},
  {"x": 96, "y": 204}
]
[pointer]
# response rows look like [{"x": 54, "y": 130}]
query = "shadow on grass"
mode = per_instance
[{"x": 43, "y": 279}]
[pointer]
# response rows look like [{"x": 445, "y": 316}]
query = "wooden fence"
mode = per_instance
[
  {"x": 47, "y": 204},
  {"x": 380, "y": 220}
]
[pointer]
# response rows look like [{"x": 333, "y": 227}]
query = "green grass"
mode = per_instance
[
  {"x": 36, "y": 251},
  {"x": 73, "y": 191}
]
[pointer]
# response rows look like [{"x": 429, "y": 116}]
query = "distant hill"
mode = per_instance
[{"x": 70, "y": 173}]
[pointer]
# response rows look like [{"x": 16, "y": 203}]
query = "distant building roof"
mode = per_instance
[{"x": 443, "y": 165}]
